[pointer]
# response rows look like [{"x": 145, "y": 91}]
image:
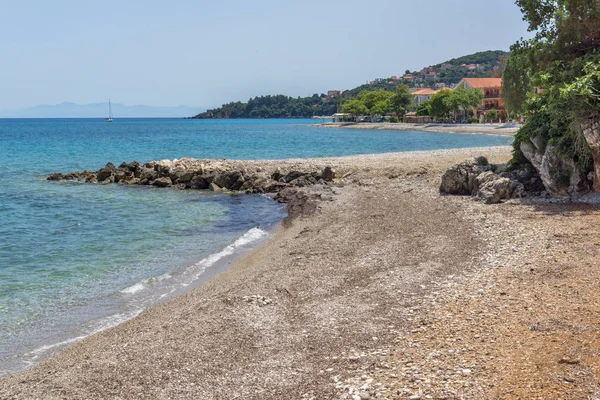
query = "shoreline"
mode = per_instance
[
  {"x": 211, "y": 264},
  {"x": 387, "y": 280},
  {"x": 490, "y": 129}
]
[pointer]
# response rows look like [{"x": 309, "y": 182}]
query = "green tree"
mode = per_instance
[
  {"x": 492, "y": 115},
  {"x": 370, "y": 98},
  {"x": 460, "y": 100},
  {"x": 564, "y": 60},
  {"x": 355, "y": 107},
  {"x": 401, "y": 101},
  {"x": 439, "y": 104},
  {"x": 516, "y": 83},
  {"x": 424, "y": 108}
]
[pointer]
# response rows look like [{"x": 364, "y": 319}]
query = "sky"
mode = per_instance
[{"x": 204, "y": 53}]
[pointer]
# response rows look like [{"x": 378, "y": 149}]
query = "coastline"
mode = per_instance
[
  {"x": 361, "y": 296},
  {"x": 491, "y": 129}
]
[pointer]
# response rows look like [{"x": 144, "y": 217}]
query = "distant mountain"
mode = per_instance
[{"x": 97, "y": 110}]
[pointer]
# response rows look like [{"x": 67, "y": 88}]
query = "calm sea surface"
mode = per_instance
[{"x": 75, "y": 259}]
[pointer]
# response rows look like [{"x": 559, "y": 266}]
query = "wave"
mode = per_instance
[
  {"x": 252, "y": 236},
  {"x": 165, "y": 285}
]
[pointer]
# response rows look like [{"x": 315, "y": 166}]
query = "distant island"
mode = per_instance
[
  {"x": 97, "y": 110},
  {"x": 446, "y": 74}
]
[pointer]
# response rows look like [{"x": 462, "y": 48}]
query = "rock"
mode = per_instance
[
  {"x": 328, "y": 174},
  {"x": 162, "y": 182},
  {"x": 198, "y": 182},
  {"x": 292, "y": 175},
  {"x": 364, "y": 396},
  {"x": 55, "y": 176},
  {"x": 460, "y": 179},
  {"x": 491, "y": 188},
  {"x": 186, "y": 177},
  {"x": 105, "y": 172},
  {"x": 230, "y": 180},
  {"x": 148, "y": 174},
  {"x": 591, "y": 132},
  {"x": 133, "y": 181},
  {"x": 214, "y": 187},
  {"x": 305, "y": 180},
  {"x": 559, "y": 174}
]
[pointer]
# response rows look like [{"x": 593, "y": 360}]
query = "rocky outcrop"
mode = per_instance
[
  {"x": 201, "y": 174},
  {"x": 476, "y": 177},
  {"x": 460, "y": 179},
  {"x": 558, "y": 172},
  {"x": 591, "y": 133}
]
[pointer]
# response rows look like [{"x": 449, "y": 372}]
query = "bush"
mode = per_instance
[
  {"x": 393, "y": 119},
  {"x": 473, "y": 121}
]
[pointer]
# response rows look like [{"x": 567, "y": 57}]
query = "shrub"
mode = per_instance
[
  {"x": 393, "y": 119},
  {"x": 473, "y": 121}
]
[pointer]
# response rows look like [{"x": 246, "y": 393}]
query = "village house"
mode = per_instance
[
  {"x": 446, "y": 66},
  {"x": 423, "y": 95},
  {"x": 440, "y": 85},
  {"x": 408, "y": 78},
  {"x": 430, "y": 76},
  {"x": 492, "y": 89},
  {"x": 333, "y": 93}
]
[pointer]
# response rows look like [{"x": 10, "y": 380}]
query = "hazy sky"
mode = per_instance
[{"x": 203, "y": 53}]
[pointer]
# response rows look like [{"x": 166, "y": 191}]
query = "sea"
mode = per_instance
[{"x": 79, "y": 258}]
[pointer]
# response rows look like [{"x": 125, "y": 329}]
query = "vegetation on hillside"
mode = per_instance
[
  {"x": 281, "y": 106},
  {"x": 380, "y": 102}
]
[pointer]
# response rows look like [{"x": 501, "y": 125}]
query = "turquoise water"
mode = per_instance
[{"x": 75, "y": 258}]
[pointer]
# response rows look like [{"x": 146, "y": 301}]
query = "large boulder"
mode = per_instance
[
  {"x": 305, "y": 180},
  {"x": 149, "y": 174},
  {"x": 162, "y": 182},
  {"x": 328, "y": 174},
  {"x": 230, "y": 180},
  {"x": 492, "y": 188},
  {"x": 591, "y": 132},
  {"x": 558, "y": 172},
  {"x": 198, "y": 182},
  {"x": 460, "y": 179},
  {"x": 106, "y": 172}
]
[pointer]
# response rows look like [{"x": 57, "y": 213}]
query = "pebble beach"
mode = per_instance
[{"x": 388, "y": 291}]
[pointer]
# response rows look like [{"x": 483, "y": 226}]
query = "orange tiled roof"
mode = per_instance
[
  {"x": 480, "y": 83},
  {"x": 424, "y": 92}
]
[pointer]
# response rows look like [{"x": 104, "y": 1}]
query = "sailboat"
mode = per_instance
[{"x": 110, "y": 116}]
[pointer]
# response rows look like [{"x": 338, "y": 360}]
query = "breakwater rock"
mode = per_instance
[{"x": 281, "y": 180}]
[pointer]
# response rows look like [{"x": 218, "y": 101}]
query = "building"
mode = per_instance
[
  {"x": 446, "y": 66},
  {"x": 440, "y": 85},
  {"x": 423, "y": 95},
  {"x": 408, "y": 78},
  {"x": 492, "y": 94},
  {"x": 430, "y": 76},
  {"x": 333, "y": 93}
]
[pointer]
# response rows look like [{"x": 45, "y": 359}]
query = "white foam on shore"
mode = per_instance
[
  {"x": 144, "y": 284},
  {"x": 250, "y": 237},
  {"x": 33, "y": 356}
]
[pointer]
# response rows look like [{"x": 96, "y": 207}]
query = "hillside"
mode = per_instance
[{"x": 478, "y": 65}]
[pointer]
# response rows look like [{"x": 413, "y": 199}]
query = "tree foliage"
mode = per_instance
[
  {"x": 516, "y": 83},
  {"x": 564, "y": 61},
  {"x": 401, "y": 101},
  {"x": 448, "y": 102}
]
